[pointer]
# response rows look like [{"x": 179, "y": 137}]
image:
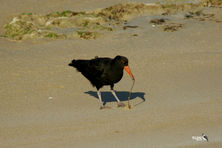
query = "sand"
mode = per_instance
[{"x": 177, "y": 93}]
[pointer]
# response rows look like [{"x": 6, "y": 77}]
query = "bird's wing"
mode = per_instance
[
  {"x": 94, "y": 70},
  {"x": 100, "y": 68},
  {"x": 96, "y": 67}
]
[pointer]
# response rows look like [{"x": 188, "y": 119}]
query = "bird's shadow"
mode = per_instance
[{"x": 107, "y": 96}]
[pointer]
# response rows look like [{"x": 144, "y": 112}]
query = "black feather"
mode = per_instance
[{"x": 101, "y": 71}]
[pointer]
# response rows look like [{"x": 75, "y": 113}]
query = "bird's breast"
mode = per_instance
[{"x": 116, "y": 76}]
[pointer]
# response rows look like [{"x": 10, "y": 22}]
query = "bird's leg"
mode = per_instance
[
  {"x": 100, "y": 99},
  {"x": 119, "y": 104}
]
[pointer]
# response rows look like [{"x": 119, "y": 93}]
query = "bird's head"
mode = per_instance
[{"x": 124, "y": 63}]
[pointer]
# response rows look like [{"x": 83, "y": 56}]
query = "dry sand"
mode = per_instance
[{"x": 177, "y": 94}]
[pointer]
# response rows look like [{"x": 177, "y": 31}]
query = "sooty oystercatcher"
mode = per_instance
[{"x": 103, "y": 71}]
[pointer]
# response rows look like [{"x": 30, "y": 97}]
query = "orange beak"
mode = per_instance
[{"x": 127, "y": 69}]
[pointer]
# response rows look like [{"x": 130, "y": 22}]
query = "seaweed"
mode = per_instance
[
  {"x": 19, "y": 29},
  {"x": 212, "y": 3},
  {"x": 172, "y": 27},
  {"x": 51, "y": 35},
  {"x": 27, "y": 13},
  {"x": 87, "y": 35},
  {"x": 120, "y": 11},
  {"x": 158, "y": 21},
  {"x": 86, "y": 23},
  {"x": 29, "y": 25}
]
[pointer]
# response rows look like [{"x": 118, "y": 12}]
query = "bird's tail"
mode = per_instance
[
  {"x": 73, "y": 63},
  {"x": 80, "y": 65}
]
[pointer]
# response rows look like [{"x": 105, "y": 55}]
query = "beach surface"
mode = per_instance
[{"x": 177, "y": 92}]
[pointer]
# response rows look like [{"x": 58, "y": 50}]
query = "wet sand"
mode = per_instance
[{"x": 177, "y": 94}]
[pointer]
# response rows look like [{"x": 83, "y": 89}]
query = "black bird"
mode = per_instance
[{"x": 103, "y": 71}]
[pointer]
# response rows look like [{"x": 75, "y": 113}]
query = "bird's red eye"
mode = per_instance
[{"x": 122, "y": 61}]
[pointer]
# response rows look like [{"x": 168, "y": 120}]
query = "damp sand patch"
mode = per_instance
[
  {"x": 166, "y": 25},
  {"x": 87, "y": 25},
  {"x": 202, "y": 16}
]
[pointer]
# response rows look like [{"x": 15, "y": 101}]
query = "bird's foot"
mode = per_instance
[
  {"x": 104, "y": 107},
  {"x": 120, "y": 104}
]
